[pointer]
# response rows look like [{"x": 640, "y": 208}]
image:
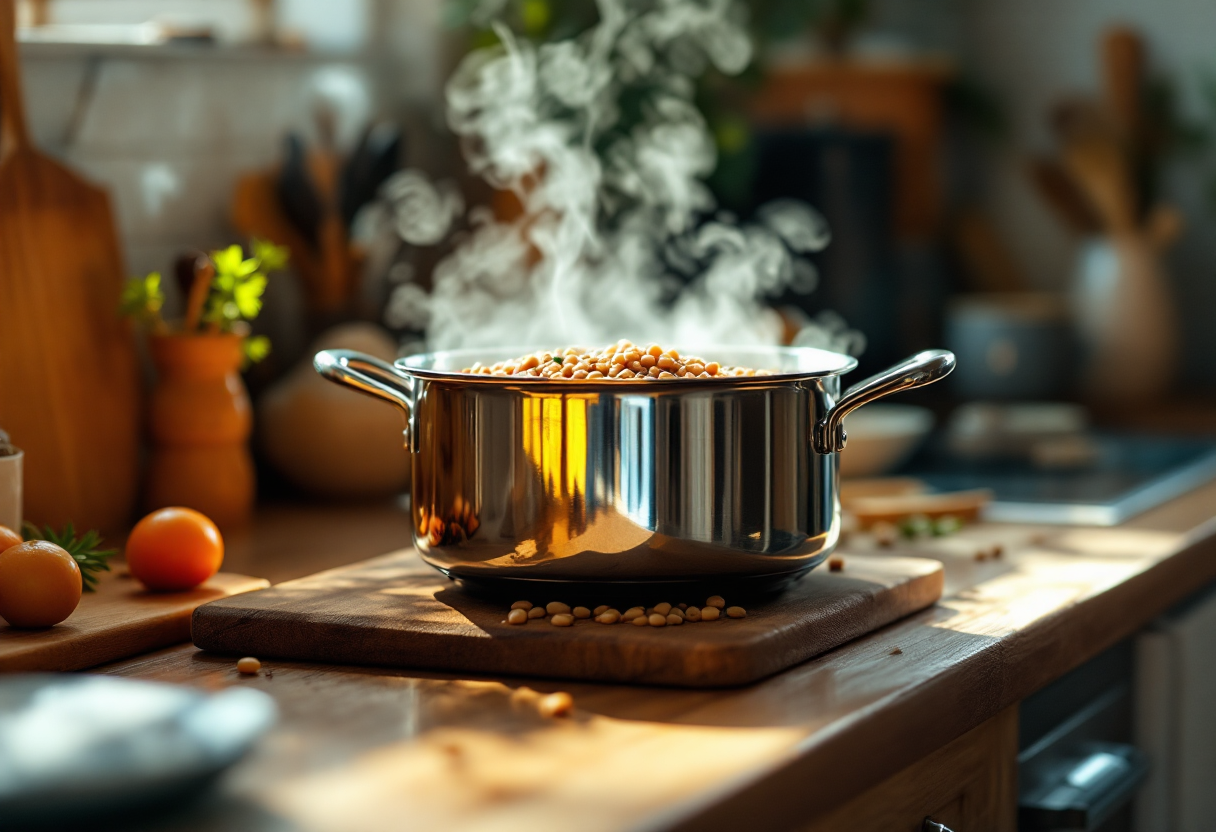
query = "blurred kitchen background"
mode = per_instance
[{"x": 1028, "y": 184}]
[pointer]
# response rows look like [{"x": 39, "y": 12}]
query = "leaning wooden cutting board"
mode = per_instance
[
  {"x": 69, "y": 384},
  {"x": 120, "y": 619},
  {"x": 395, "y": 611}
]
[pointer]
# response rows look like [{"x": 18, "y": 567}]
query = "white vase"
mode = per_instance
[
  {"x": 1125, "y": 318},
  {"x": 10, "y": 490}
]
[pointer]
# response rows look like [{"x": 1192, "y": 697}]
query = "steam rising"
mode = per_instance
[{"x": 618, "y": 235}]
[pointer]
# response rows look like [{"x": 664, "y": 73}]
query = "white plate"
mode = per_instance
[
  {"x": 882, "y": 437},
  {"x": 77, "y": 747}
]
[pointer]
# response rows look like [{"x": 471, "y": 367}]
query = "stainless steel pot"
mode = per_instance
[{"x": 636, "y": 481}]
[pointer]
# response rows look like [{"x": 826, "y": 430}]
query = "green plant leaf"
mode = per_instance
[
  {"x": 85, "y": 550},
  {"x": 256, "y": 348},
  {"x": 248, "y": 295},
  {"x": 271, "y": 257},
  {"x": 239, "y": 282},
  {"x": 227, "y": 260},
  {"x": 142, "y": 298}
]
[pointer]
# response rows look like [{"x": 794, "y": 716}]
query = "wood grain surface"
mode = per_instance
[
  {"x": 396, "y": 611},
  {"x": 69, "y": 387},
  {"x": 120, "y": 619},
  {"x": 371, "y": 749},
  {"x": 970, "y": 784}
]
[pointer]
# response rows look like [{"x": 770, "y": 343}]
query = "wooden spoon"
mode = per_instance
[
  {"x": 1102, "y": 171},
  {"x": 1060, "y": 191},
  {"x": 1123, "y": 61}
]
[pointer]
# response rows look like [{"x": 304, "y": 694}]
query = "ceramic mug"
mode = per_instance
[{"x": 10, "y": 489}]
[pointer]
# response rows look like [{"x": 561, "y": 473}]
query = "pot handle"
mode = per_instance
[
  {"x": 921, "y": 369},
  {"x": 367, "y": 375}
]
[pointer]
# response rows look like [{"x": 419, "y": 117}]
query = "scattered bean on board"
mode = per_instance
[
  {"x": 663, "y": 614},
  {"x": 248, "y": 665}
]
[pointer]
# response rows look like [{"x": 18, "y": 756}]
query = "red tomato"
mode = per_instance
[
  {"x": 8, "y": 538},
  {"x": 39, "y": 584},
  {"x": 174, "y": 549}
]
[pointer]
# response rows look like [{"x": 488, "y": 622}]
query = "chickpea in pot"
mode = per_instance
[{"x": 622, "y": 361}]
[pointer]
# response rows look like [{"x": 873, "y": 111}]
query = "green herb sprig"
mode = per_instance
[
  {"x": 85, "y": 550},
  {"x": 142, "y": 299},
  {"x": 226, "y": 294}
]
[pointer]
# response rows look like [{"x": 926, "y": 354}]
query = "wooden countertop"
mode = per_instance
[{"x": 363, "y": 750}]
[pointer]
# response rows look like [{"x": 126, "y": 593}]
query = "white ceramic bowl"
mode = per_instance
[{"x": 881, "y": 437}]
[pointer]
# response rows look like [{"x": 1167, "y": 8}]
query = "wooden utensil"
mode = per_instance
[
  {"x": 395, "y": 611},
  {"x": 989, "y": 264},
  {"x": 1102, "y": 171},
  {"x": 120, "y": 619},
  {"x": 1123, "y": 62},
  {"x": 1060, "y": 191},
  {"x": 69, "y": 392},
  {"x": 1164, "y": 225},
  {"x": 965, "y": 505}
]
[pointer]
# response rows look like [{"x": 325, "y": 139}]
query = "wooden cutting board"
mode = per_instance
[
  {"x": 120, "y": 619},
  {"x": 395, "y": 611},
  {"x": 69, "y": 384}
]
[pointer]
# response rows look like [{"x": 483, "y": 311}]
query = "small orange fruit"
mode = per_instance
[
  {"x": 174, "y": 549},
  {"x": 8, "y": 537},
  {"x": 39, "y": 584}
]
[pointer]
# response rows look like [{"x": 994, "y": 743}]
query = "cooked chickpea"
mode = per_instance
[
  {"x": 709, "y": 614},
  {"x": 562, "y": 619},
  {"x": 556, "y": 607},
  {"x": 692, "y": 614},
  {"x": 522, "y": 605},
  {"x": 517, "y": 617},
  {"x": 536, "y": 612},
  {"x": 634, "y": 612},
  {"x": 608, "y": 617},
  {"x": 674, "y": 620},
  {"x": 715, "y": 601},
  {"x": 640, "y": 621},
  {"x": 663, "y": 608},
  {"x": 581, "y": 612},
  {"x": 736, "y": 612},
  {"x": 622, "y": 361},
  {"x": 248, "y": 666},
  {"x": 601, "y": 609},
  {"x": 657, "y": 620},
  {"x": 555, "y": 704}
]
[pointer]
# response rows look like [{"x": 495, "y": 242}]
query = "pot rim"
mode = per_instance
[{"x": 812, "y": 363}]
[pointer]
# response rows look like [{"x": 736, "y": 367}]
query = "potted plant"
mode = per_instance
[{"x": 200, "y": 418}]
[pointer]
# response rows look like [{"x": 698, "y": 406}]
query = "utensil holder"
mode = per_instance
[{"x": 201, "y": 420}]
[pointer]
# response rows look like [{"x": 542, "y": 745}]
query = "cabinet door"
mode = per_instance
[{"x": 969, "y": 785}]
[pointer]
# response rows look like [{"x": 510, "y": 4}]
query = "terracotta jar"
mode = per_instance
[{"x": 200, "y": 423}]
